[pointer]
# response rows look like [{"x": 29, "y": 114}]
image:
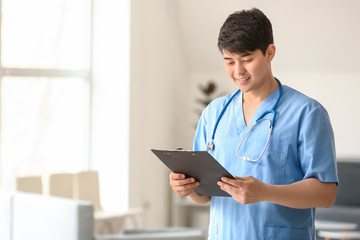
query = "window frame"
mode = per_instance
[{"x": 52, "y": 73}]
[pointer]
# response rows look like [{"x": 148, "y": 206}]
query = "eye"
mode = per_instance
[
  {"x": 230, "y": 63},
  {"x": 247, "y": 60}
]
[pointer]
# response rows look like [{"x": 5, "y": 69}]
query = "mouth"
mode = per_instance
[{"x": 242, "y": 80}]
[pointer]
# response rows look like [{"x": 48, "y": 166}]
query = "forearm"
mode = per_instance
[
  {"x": 194, "y": 197},
  {"x": 308, "y": 193}
]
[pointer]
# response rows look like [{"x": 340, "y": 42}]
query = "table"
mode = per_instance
[
  {"x": 336, "y": 230},
  {"x": 328, "y": 235},
  {"x": 334, "y": 225}
]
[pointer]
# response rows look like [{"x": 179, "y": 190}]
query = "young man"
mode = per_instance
[{"x": 281, "y": 174}]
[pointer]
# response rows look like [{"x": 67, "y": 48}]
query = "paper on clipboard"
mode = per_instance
[{"x": 199, "y": 165}]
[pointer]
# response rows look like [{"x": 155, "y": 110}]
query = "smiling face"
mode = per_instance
[{"x": 250, "y": 71}]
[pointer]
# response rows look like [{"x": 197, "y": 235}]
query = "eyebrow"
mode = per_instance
[
  {"x": 243, "y": 55},
  {"x": 246, "y": 54}
]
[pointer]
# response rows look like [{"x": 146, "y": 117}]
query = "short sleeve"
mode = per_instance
[
  {"x": 200, "y": 138},
  {"x": 316, "y": 146}
]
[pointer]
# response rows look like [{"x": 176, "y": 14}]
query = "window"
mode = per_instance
[
  {"x": 44, "y": 77},
  {"x": 60, "y": 109},
  {"x": 44, "y": 125}
]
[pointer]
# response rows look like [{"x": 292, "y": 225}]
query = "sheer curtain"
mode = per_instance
[
  {"x": 45, "y": 66},
  {"x": 64, "y": 91}
]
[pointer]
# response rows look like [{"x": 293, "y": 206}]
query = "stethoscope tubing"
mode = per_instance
[{"x": 210, "y": 145}]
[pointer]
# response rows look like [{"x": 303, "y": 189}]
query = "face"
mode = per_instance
[{"x": 250, "y": 71}]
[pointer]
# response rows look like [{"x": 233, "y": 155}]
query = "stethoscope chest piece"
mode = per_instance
[{"x": 210, "y": 145}]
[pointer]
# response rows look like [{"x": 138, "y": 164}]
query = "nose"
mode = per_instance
[{"x": 239, "y": 70}]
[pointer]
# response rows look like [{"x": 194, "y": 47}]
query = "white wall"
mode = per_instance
[
  {"x": 174, "y": 49},
  {"x": 110, "y": 86},
  {"x": 317, "y": 53},
  {"x": 157, "y": 83}
]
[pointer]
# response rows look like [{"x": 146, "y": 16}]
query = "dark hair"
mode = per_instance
[{"x": 245, "y": 31}]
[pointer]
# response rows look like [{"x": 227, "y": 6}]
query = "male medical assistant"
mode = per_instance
[{"x": 301, "y": 146}]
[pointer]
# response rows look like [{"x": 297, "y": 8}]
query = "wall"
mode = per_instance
[
  {"x": 317, "y": 53},
  {"x": 157, "y": 85},
  {"x": 174, "y": 50},
  {"x": 110, "y": 86}
]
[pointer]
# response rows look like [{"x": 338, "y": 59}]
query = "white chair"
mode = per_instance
[
  {"x": 6, "y": 204},
  {"x": 30, "y": 184},
  {"x": 40, "y": 217},
  {"x": 62, "y": 185},
  {"x": 88, "y": 188},
  {"x": 105, "y": 222}
]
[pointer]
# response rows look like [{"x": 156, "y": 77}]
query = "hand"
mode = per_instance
[
  {"x": 244, "y": 190},
  {"x": 181, "y": 185}
]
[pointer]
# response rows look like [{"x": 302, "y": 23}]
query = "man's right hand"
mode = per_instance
[{"x": 181, "y": 185}]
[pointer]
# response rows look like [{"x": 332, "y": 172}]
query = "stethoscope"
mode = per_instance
[{"x": 210, "y": 144}]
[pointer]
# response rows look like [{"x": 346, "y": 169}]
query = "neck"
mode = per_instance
[{"x": 260, "y": 94}]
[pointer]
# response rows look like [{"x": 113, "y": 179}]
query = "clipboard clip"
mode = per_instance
[{"x": 179, "y": 149}]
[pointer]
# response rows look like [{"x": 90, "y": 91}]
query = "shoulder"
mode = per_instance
[
  {"x": 304, "y": 108},
  {"x": 295, "y": 99}
]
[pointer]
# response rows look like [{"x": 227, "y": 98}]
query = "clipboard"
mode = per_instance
[{"x": 199, "y": 165}]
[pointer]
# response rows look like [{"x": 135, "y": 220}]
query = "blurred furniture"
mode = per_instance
[
  {"x": 85, "y": 186},
  {"x": 334, "y": 225},
  {"x": 105, "y": 222},
  {"x": 347, "y": 205},
  {"x": 33, "y": 216},
  {"x": 188, "y": 214},
  {"x": 62, "y": 185},
  {"x": 163, "y": 234},
  {"x": 334, "y": 230},
  {"x": 32, "y": 184},
  {"x": 88, "y": 188},
  {"x": 330, "y": 235},
  {"x": 5, "y": 216}
]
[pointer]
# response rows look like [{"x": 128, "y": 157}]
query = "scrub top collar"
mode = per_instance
[{"x": 267, "y": 104}]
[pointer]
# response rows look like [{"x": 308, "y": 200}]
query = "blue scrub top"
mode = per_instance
[{"x": 301, "y": 146}]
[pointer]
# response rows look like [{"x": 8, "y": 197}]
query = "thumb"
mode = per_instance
[
  {"x": 243, "y": 178},
  {"x": 239, "y": 178}
]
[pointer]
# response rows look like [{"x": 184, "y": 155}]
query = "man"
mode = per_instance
[{"x": 281, "y": 173}]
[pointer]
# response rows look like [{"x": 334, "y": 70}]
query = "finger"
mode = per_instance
[
  {"x": 243, "y": 178},
  {"x": 177, "y": 176},
  {"x": 183, "y": 182},
  {"x": 185, "y": 193},
  {"x": 226, "y": 187},
  {"x": 234, "y": 182},
  {"x": 187, "y": 187},
  {"x": 240, "y": 178}
]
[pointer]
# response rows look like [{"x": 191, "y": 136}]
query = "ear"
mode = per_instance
[{"x": 270, "y": 52}]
